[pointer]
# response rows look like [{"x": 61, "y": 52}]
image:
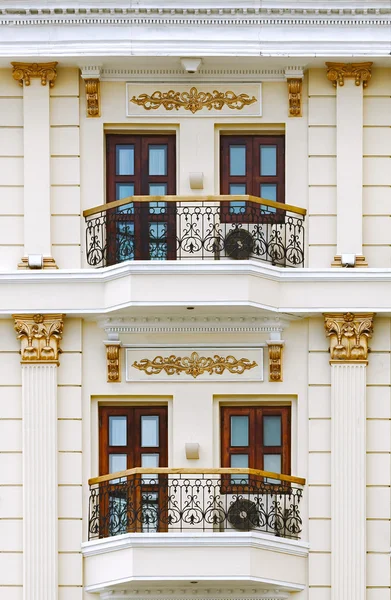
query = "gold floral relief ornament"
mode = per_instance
[
  {"x": 194, "y": 365},
  {"x": 360, "y": 72},
  {"x": 193, "y": 100},
  {"x": 295, "y": 87},
  {"x": 24, "y": 72},
  {"x": 39, "y": 336},
  {"x": 349, "y": 334},
  {"x": 113, "y": 356}
]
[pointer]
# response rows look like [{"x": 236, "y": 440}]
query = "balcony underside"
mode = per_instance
[{"x": 247, "y": 560}]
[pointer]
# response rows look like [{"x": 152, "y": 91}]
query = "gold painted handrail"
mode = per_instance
[
  {"x": 218, "y": 198},
  {"x": 198, "y": 471}
]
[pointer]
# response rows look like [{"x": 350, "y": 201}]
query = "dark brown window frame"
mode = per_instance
[
  {"x": 141, "y": 180},
  {"x": 252, "y": 179},
  {"x": 256, "y": 449}
]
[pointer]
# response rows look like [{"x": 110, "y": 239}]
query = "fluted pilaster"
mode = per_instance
[
  {"x": 349, "y": 334},
  {"x": 39, "y": 385},
  {"x": 348, "y": 514},
  {"x": 39, "y": 336}
]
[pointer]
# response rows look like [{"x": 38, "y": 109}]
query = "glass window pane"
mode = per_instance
[
  {"x": 149, "y": 461},
  {"x": 150, "y": 430},
  {"x": 237, "y": 160},
  {"x": 269, "y": 192},
  {"x": 268, "y": 161},
  {"x": 272, "y": 430},
  {"x": 157, "y": 241},
  {"x": 157, "y": 189},
  {"x": 157, "y": 159},
  {"x": 125, "y": 241},
  {"x": 117, "y": 431},
  {"x": 123, "y": 190},
  {"x": 237, "y": 207},
  {"x": 239, "y": 431},
  {"x": 237, "y": 189},
  {"x": 239, "y": 461},
  {"x": 125, "y": 160},
  {"x": 117, "y": 462},
  {"x": 272, "y": 462}
]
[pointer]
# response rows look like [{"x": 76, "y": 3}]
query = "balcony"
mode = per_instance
[
  {"x": 172, "y": 527},
  {"x": 203, "y": 228}
]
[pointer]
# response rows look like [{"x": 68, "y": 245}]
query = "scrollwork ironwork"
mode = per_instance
[{"x": 188, "y": 503}]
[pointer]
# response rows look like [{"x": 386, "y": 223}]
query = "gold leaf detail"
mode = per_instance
[
  {"x": 23, "y": 72},
  {"x": 40, "y": 336},
  {"x": 193, "y": 100},
  {"x": 113, "y": 363},
  {"x": 349, "y": 335},
  {"x": 294, "y": 97},
  {"x": 194, "y": 365},
  {"x": 360, "y": 72},
  {"x": 93, "y": 97}
]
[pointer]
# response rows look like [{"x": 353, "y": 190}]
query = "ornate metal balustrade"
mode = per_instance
[
  {"x": 179, "y": 500},
  {"x": 209, "y": 227}
]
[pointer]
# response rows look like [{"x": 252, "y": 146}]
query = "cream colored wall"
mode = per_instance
[
  {"x": 11, "y": 497},
  {"x": 69, "y": 463},
  {"x": 11, "y": 171},
  {"x": 377, "y": 170},
  {"x": 322, "y": 191},
  {"x": 70, "y": 472},
  {"x": 197, "y": 141},
  {"x": 65, "y": 169},
  {"x": 194, "y": 407},
  {"x": 378, "y": 462}
]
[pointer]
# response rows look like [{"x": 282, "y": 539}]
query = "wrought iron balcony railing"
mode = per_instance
[
  {"x": 209, "y": 227},
  {"x": 205, "y": 500}
]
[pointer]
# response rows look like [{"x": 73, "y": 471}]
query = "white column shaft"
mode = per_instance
[
  {"x": 36, "y": 134},
  {"x": 39, "y": 384},
  {"x": 348, "y": 481},
  {"x": 349, "y": 168}
]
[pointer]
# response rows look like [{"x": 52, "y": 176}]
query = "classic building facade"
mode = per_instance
[{"x": 195, "y": 265}]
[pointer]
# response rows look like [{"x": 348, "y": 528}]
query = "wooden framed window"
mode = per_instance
[
  {"x": 256, "y": 438},
  {"x": 141, "y": 165},
  {"x": 132, "y": 437},
  {"x": 253, "y": 165}
]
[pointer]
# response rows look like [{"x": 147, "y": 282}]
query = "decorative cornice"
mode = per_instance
[
  {"x": 232, "y": 14},
  {"x": 23, "y": 72},
  {"x": 275, "y": 359},
  {"x": 193, "y": 100},
  {"x": 194, "y": 365},
  {"x": 39, "y": 336},
  {"x": 210, "y": 324},
  {"x": 113, "y": 357},
  {"x": 349, "y": 335},
  {"x": 360, "y": 72},
  {"x": 294, "y": 97}
]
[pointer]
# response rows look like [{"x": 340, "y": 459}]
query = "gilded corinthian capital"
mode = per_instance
[
  {"x": 24, "y": 72},
  {"x": 349, "y": 334},
  {"x": 360, "y": 72},
  {"x": 39, "y": 337}
]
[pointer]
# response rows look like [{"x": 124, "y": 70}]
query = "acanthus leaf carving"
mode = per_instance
[
  {"x": 194, "y": 365},
  {"x": 360, "y": 72},
  {"x": 39, "y": 336},
  {"x": 24, "y": 72},
  {"x": 294, "y": 97},
  {"x": 275, "y": 359},
  {"x": 193, "y": 100},
  {"x": 93, "y": 97},
  {"x": 113, "y": 355},
  {"x": 349, "y": 334}
]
